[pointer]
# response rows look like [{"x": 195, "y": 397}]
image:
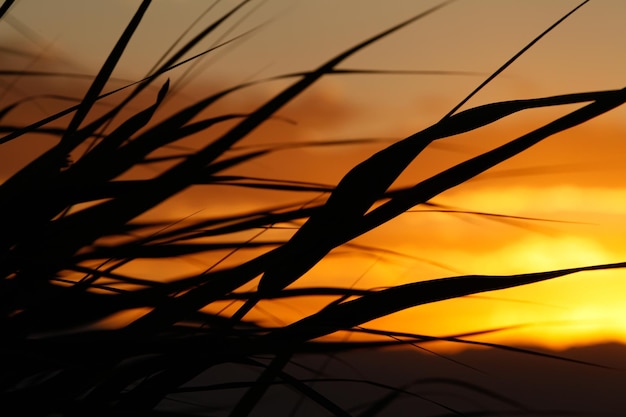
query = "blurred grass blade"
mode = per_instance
[
  {"x": 6, "y": 5},
  {"x": 269, "y": 184},
  {"x": 199, "y": 37},
  {"x": 275, "y": 370},
  {"x": 460, "y": 340},
  {"x": 132, "y": 251},
  {"x": 5, "y": 110},
  {"x": 94, "y": 125},
  {"x": 105, "y": 73},
  {"x": 251, "y": 398},
  {"x": 64, "y": 189},
  {"x": 97, "y": 162}
]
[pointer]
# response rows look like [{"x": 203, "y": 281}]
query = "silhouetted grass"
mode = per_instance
[{"x": 68, "y": 226}]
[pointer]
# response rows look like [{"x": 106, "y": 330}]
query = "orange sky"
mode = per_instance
[{"x": 575, "y": 177}]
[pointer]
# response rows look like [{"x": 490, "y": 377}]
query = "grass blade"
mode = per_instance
[
  {"x": 6, "y": 5},
  {"x": 513, "y": 59},
  {"x": 382, "y": 303},
  {"x": 105, "y": 73}
]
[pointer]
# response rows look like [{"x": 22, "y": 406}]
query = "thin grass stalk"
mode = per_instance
[
  {"x": 513, "y": 59},
  {"x": 6, "y": 5}
]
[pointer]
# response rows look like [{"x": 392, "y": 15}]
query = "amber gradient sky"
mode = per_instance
[{"x": 576, "y": 177}]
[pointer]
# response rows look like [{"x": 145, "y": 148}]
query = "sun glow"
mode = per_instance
[{"x": 573, "y": 310}]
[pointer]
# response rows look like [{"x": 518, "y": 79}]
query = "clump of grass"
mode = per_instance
[{"x": 70, "y": 224}]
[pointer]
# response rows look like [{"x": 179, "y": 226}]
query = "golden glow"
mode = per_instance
[{"x": 574, "y": 310}]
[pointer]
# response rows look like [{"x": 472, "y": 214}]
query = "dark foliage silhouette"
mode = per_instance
[{"x": 71, "y": 220}]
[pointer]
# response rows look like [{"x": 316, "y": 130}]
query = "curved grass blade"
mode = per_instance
[
  {"x": 382, "y": 303},
  {"x": 464, "y": 171}
]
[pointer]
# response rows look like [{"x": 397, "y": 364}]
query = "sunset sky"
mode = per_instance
[{"x": 573, "y": 185}]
